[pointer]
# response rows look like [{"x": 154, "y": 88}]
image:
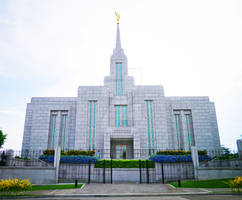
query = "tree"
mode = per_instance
[
  {"x": 225, "y": 150},
  {"x": 2, "y": 138}
]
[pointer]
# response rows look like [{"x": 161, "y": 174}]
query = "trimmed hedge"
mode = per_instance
[
  {"x": 124, "y": 164},
  {"x": 179, "y": 152},
  {"x": 177, "y": 158},
  {"x": 70, "y": 159},
  {"x": 51, "y": 152}
]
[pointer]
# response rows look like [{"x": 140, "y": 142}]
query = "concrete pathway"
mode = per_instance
[{"x": 115, "y": 190}]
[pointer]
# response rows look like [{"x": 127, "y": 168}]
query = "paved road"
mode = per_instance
[{"x": 193, "y": 197}]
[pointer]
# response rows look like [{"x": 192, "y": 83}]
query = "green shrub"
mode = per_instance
[
  {"x": 180, "y": 152},
  {"x": 51, "y": 152},
  {"x": 227, "y": 156},
  {"x": 21, "y": 158},
  {"x": 124, "y": 164},
  {"x": 79, "y": 152}
]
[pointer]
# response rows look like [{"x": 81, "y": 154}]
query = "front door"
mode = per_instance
[{"x": 121, "y": 151}]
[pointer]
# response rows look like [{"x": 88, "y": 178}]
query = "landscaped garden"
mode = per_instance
[
  {"x": 173, "y": 156},
  {"x": 235, "y": 184},
  {"x": 71, "y": 156},
  {"x": 84, "y": 157}
]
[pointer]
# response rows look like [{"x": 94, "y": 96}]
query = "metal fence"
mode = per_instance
[
  {"x": 160, "y": 173},
  {"x": 145, "y": 171},
  {"x": 223, "y": 158},
  {"x": 22, "y": 158}
]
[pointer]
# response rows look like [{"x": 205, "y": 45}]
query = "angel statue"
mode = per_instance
[{"x": 117, "y": 16}]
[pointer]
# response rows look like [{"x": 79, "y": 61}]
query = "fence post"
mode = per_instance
[
  {"x": 140, "y": 172},
  {"x": 147, "y": 172},
  {"x": 104, "y": 171},
  {"x": 239, "y": 147},
  {"x": 162, "y": 173},
  {"x": 89, "y": 171},
  {"x": 57, "y": 162},
  {"x": 195, "y": 161},
  {"x": 111, "y": 170}
]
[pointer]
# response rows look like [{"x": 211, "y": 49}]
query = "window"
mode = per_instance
[
  {"x": 120, "y": 116},
  {"x": 58, "y": 131},
  {"x": 124, "y": 112},
  {"x": 119, "y": 89},
  {"x": 150, "y": 130},
  {"x": 190, "y": 134},
  {"x": 92, "y": 124},
  {"x": 184, "y": 134},
  {"x": 52, "y": 133},
  {"x": 63, "y": 130},
  {"x": 177, "y": 119}
]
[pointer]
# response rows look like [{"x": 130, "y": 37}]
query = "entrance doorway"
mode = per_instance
[
  {"x": 121, "y": 151},
  {"x": 121, "y": 148}
]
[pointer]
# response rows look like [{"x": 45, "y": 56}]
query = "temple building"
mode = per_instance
[{"x": 121, "y": 119}]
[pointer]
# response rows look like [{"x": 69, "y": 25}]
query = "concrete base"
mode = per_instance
[
  {"x": 35, "y": 175},
  {"x": 218, "y": 173}
]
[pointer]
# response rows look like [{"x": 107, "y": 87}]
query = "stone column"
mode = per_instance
[
  {"x": 57, "y": 162},
  {"x": 107, "y": 145},
  {"x": 195, "y": 160},
  {"x": 136, "y": 144},
  {"x": 239, "y": 147}
]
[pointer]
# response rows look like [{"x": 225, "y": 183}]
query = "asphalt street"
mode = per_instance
[{"x": 187, "y": 197}]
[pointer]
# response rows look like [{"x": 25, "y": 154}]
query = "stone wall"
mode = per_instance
[
  {"x": 218, "y": 173},
  {"x": 35, "y": 175}
]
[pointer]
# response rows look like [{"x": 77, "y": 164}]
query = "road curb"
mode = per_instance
[{"x": 120, "y": 195}]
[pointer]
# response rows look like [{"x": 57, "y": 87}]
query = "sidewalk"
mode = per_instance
[{"x": 124, "y": 190}]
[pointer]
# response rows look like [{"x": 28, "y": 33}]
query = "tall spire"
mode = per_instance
[{"x": 118, "y": 41}]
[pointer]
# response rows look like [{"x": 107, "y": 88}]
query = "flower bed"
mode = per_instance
[
  {"x": 116, "y": 163},
  {"x": 177, "y": 158},
  {"x": 70, "y": 159},
  {"x": 14, "y": 185}
]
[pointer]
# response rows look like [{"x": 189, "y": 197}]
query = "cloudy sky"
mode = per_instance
[{"x": 50, "y": 47}]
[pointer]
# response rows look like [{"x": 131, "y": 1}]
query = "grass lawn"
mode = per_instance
[
  {"x": 55, "y": 187},
  {"x": 218, "y": 183}
]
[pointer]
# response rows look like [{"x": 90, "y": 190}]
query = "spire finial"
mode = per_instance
[{"x": 117, "y": 16}]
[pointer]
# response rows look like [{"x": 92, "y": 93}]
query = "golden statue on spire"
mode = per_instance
[{"x": 117, "y": 16}]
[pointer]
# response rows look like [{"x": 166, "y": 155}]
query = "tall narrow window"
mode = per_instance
[
  {"x": 119, "y": 89},
  {"x": 63, "y": 130},
  {"x": 178, "y": 130},
  {"x": 190, "y": 134},
  {"x": 92, "y": 124},
  {"x": 150, "y": 130},
  {"x": 52, "y": 134},
  {"x": 124, "y": 112},
  {"x": 121, "y": 116},
  {"x": 151, "y": 124},
  {"x": 117, "y": 116}
]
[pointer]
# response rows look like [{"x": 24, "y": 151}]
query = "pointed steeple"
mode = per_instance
[{"x": 118, "y": 41}]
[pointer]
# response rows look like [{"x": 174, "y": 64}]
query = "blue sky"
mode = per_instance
[{"x": 192, "y": 48}]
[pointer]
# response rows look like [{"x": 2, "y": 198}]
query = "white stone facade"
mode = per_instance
[{"x": 120, "y": 113}]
